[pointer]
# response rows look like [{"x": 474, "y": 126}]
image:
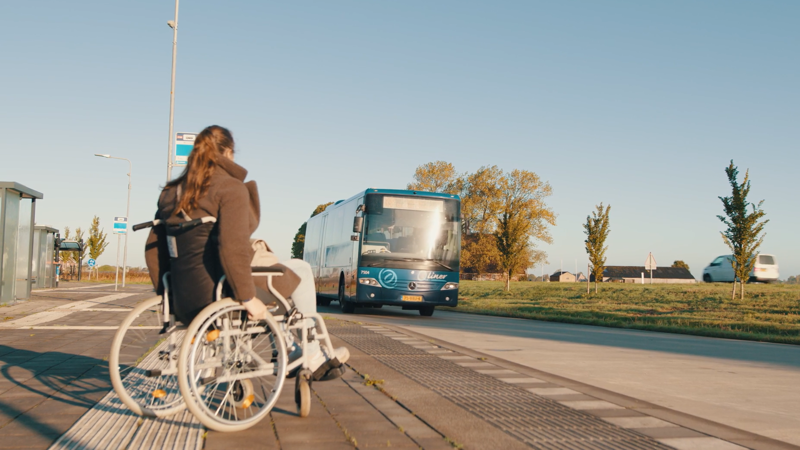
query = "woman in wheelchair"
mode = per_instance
[{"x": 212, "y": 188}]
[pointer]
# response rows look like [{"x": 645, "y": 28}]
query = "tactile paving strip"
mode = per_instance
[{"x": 539, "y": 422}]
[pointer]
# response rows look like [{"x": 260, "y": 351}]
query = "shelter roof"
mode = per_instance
[{"x": 24, "y": 190}]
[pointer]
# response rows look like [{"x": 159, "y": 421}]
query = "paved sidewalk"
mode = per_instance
[{"x": 401, "y": 391}]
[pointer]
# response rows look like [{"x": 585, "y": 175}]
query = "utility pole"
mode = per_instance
[{"x": 174, "y": 25}]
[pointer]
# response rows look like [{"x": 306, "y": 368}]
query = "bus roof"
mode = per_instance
[
  {"x": 407, "y": 192},
  {"x": 395, "y": 192}
]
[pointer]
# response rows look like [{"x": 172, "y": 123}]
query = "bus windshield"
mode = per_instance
[{"x": 406, "y": 232}]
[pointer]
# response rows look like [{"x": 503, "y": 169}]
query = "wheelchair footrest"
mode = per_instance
[{"x": 153, "y": 373}]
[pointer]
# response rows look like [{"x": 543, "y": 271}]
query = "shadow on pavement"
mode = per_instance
[{"x": 71, "y": 384}]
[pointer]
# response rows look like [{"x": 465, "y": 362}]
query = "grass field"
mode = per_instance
[{"x": 769, "y": 313}]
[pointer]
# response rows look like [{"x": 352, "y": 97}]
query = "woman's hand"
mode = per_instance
[{"x": 256, "y": 310}]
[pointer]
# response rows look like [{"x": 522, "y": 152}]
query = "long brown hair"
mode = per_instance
[{"x": 209, "y": 146}]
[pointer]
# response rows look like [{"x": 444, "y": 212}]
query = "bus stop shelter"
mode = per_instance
[
  {"x": 17, "y": 218},
  {"x": 44, "y": 257}
]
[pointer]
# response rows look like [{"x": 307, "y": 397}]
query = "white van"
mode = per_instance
[{"x": 721, "y": 269}]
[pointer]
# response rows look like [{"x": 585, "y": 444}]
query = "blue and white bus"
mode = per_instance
[{"x": 387, "y": 247}]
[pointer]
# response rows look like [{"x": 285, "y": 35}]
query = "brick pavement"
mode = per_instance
[{"x": 54, "y": 369}]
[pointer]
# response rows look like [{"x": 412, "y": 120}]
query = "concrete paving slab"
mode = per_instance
[
  {"x": 703, "y": 443},
  {"x": 552, "y": 391},
  {"x": 639, "y": 422}
]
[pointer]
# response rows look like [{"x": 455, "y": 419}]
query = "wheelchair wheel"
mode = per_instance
[
  {"x": 143, "y": 364},
  {"x": 302, "y": 393},
  {"x": 232, "y": 369}
]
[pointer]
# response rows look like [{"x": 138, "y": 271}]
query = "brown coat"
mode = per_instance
[{"x": 236, "y": 206}]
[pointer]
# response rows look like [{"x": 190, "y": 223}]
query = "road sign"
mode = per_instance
[
  {"x": 120, "y": 225},
  {"x": 184, "y": 142},
  {"x": 650, "y": 264},
  {"x": 91, "y": 263}
]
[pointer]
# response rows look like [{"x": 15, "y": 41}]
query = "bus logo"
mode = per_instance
[{"x": 388, "y": 278}]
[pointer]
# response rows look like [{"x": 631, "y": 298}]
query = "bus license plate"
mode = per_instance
[{"x": 412, "y": 298}]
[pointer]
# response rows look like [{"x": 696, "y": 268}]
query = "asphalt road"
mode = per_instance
[{"x": 751, "y": 386}]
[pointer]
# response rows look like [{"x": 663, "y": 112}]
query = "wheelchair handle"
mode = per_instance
[
  {"x": 143, "y": 225},
  {"x": 196, "y": 222}
]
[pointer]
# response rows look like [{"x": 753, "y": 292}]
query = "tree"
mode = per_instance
[
  {"x": 480, "y": 200},
  {"x": 79, "y": 256},
  {"x": 97, "y": 239},
  {"x": 596, "y": 229},
  {"x": 744, "y": 233},
  {"x": 300, "y": 237},
  {"x": 65, "y": 257},
  {"x": 680, "y": 264},
  {"x": 479, "y": 253},
  {"x": 522, "y": 216},
  {"x": 437, "y": 176}
]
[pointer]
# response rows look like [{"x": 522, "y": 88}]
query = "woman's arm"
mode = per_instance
[{"x": 233, "y": 225}]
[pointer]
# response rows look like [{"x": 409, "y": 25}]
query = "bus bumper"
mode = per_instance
[{"x": 373, "y": 295}]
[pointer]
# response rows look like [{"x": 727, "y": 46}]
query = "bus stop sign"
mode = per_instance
[
  {"x": 120, "y": 225},
  {"x": 184, "y": 142}
]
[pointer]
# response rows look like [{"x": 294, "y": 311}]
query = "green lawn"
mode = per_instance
[{"x": 768, "y": 313}]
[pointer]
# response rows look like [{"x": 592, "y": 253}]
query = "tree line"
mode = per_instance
[{"x": 744, "y": 232}]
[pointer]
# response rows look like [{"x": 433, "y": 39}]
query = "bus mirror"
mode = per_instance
[{"x": 358, "y": 223}]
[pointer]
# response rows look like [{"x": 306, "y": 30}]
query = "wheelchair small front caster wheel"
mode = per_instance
[
  {"x": 243, "y": 394},
  {"x": 302, "y": 393}
]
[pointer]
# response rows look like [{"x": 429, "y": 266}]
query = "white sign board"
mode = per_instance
[
  {"x": 184, "y": 142},
  {"x": 650, "y": 264},
  {"x": 120, "y": 225}
]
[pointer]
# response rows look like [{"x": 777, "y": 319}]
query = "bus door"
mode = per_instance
[{"x": 355, "y": 257}]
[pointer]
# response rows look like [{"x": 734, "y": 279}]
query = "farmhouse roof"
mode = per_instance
[{"x": 636, "y": 272}]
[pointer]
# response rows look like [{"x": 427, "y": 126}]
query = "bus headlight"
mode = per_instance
[
  {"x": 369, "y": 281},
  {"x": 449, "y": 286}
]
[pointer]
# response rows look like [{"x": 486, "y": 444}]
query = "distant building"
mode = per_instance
[
  {"x": 633, "y": 274},
  {"x": 534, "y": 277},
  {"x": 581, "y": 277},
  {"x": 564, "y": 277}
]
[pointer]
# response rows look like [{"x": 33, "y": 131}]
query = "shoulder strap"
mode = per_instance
[{"x": 178, "y": 199}]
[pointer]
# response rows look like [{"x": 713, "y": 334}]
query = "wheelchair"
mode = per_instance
[{"x": 227, "y": 369}]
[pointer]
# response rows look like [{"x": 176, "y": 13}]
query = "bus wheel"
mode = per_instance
[
  {"x": 323, "y": 301},
  {"x": 426, "y": 311},
  {"x": 347, "y": 307}
]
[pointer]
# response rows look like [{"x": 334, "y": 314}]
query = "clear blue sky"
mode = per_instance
[{"x": 636, "y": 104}]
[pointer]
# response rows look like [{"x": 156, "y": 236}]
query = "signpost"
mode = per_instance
[
  {"x": 91, "y": 263},
  {"x": 120, "y": 228},
  {"x": 650, "y": 265},
  {"x": 184, "y": 142}
]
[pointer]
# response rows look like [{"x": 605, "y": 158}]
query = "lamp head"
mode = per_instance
[
  {"x": 102, "y": 156},
  {"x": 171, "y": 23}
]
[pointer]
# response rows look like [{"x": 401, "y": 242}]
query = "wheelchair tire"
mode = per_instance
[
  {"x": 232, "y": 370},
  {"x": 302, "y": 394},
  {"x": 137, "y": 352}
]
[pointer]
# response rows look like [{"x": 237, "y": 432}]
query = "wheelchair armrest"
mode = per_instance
[{"x": 267, "y": 269}]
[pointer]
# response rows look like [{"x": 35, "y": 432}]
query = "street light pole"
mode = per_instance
[
  {"x": 174, "y": 25},
  {"x": 128, "y": 221}
]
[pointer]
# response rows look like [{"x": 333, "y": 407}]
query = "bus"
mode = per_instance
[{"x": 387, "y": 247}]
